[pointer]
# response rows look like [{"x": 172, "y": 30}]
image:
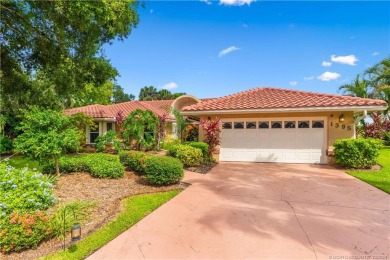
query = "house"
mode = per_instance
[
  {"x": 280, "y": 125},
  {"x": 105, "y": 115},
  {"x": 258, "y": 125}
]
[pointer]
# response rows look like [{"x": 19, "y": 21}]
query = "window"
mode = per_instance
[
  {"x": 318, "y": 124},
  {"x": 276, "y": 124},
  {"x": 263, "y": 125},
  {"x": 289, "y": 124},
  {"x": 93, "y": 133},
  {"x": 303, "y": 124},
  {"x": 250, "y": 125},
  {"x": 109, "y": 126},
  {"x": 238, "y": 125},
  {"x": 226, "y": 125}
]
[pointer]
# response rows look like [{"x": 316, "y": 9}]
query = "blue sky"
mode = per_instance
[{"x": 215, "y": 48}]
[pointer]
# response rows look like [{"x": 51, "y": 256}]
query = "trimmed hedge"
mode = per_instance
[
  {"x": 357, "y": 153},
  {"x": 99, "y": 165},
  {"x": 202, "y": 146},
  {"x": 163, "y": 170},
  {"x": 189, "y": 155},
  {"x": 134, "y": 160}
]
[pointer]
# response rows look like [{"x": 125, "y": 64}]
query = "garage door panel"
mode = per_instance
[{"x": 294, "y": 145}]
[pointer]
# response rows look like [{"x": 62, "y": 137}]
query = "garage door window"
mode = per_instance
[
  {"x": 318, "y": 124},
  {"x": 276, "y": 124},
  {"x": 227, "y": 125},
  {"x": 289, "y": 124},
  {"x": 263, "y": 125},
  {"x": 303, "y": 124},
  {"x": 250, "y": 125},
  {"x": 238, "y": 125}
]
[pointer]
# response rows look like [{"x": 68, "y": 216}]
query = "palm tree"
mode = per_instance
[
  {"x": 379, "y": 80},
  {"x": 357, "y": 88}
]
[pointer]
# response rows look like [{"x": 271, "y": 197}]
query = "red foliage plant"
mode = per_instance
[
  {"x": 376, "y": 129},
  {"x": 119, "y": 118},
  {"x": 211, "y": 131}
]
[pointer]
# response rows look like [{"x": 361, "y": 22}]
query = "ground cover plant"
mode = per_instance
[{"x": 381, "y": 178}]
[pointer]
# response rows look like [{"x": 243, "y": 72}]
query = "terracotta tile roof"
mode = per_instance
[
  {"x": 158, "y": 107},
  {"x": 271, "y": 98}
]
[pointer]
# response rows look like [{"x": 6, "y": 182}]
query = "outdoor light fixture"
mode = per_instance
[
  {"x": 341, "y": 118},
  {"x": 75, "y": 232}
]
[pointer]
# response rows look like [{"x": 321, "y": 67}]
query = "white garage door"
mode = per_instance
[{"x": 299, "y": 140}]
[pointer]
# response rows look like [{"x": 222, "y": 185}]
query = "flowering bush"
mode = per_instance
[
  {"x": 24, "y": 190},
  {"x": 23, "y": 230}
]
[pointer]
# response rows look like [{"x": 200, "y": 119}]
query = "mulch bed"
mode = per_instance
[
  {"x": 202, "y": 168},
  {"x": 106, "y": 193}
]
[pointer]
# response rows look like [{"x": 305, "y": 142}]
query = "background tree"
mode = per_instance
[
  {"x": 151, "y": 93},
  {"x": 47, "y": 134},
  {"x": 51, "y": 51},
  {"x": 357, "y": 88},
  {"x": 120, "y": 96},
  {"x": 147, "y": 93}
]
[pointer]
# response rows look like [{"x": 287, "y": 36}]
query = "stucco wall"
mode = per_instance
[{"x": 335, "y": 129}]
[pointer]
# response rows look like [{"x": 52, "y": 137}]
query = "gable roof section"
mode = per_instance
[
  {"x": 263, "y": 99},
  {"x": 158, "y": 107}
]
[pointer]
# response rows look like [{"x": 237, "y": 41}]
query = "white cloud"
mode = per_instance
[
  {"x": 151, "y": 11},
  {"x": 328, "y": 76},
  {"x": 375, "y": 53},
  {"x": 236, "y": 2},
  {"x": 309, "y": 78},
  {"x": 244, "y": 25},
  {"x": 293, "y": 83},
  {"x": 349, "y": 59},
  {"x": 208, "y": 2},
  {"x": 227, "y": 50},
  {"x": 170, "y": 85},
  {"x": 326, "y": 63}
]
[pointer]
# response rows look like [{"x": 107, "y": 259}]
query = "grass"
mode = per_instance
[
  {"x": 21, "y": 162},
  {"x": 134, "y": 209},
  {"x": 381, "y": 178}
]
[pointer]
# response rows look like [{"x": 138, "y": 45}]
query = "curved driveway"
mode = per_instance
[{"x": 263, "y": 211}]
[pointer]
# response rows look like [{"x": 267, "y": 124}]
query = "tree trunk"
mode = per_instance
[{"x": 57, "y": 166}]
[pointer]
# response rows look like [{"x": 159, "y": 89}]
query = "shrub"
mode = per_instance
[
  {"x": 169, "y": 142},
  {"x": 202, "y": 146},
  {"x": 135, "y": 160},
  {"x": 189, "y": 155},
  {"x": 6, "y": 144},
  {"x": 24, "y": 190},
  {"x": 173, "y": 149},
  {"x": 163, "y": 170},
  {"x": 23, "y": 230},
  {"x": 107, "y": 169},
  {"x": 110, "y": 138},
  {"x": 356, "y": 153},
  {"x": 99, "y": 165}
]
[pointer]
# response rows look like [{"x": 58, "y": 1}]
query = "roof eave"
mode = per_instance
[{"x": 286, "y": 110}]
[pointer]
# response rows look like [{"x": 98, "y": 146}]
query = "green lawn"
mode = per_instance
[
  {"x": 21, "y": 162},
  {"x": 134, "y": 209},
  {"x": 379, "y": 179}
]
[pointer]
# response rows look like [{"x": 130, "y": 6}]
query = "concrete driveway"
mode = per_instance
[{"x": 263, "y": 211}]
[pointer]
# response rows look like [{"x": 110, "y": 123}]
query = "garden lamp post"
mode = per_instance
[{"x": 75, "y": 232}]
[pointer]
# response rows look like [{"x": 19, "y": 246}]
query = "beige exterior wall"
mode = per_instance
[{"x": 335, "y": 129}]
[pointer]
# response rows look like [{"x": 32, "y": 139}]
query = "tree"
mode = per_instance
[
  {"x": 379, "y": 80},
  {"x": 357, "y": 88},
  {"x": 51, "y": 51},
  {"x": 120, "y": 96},
  {"x": 151, "y": 93},
  {"x": 47, "y": 134},
  {"x": 147, "y": 93}
]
